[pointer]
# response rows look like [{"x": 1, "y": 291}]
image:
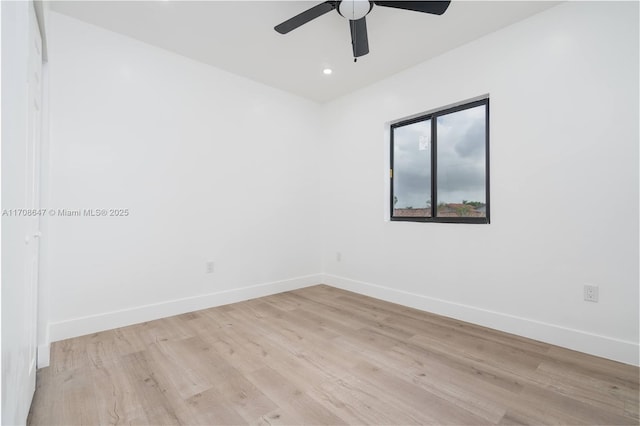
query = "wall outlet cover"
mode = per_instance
[{"x": 591, "y": 293}]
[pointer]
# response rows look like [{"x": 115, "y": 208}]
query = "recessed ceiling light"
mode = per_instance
[{"x": 327, "y": 71}]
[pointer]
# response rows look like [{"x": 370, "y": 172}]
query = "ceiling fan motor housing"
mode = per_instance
[{"x": 354, "y": 9}]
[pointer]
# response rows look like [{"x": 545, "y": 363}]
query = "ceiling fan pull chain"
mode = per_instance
[{"x": 355, "y": 40}]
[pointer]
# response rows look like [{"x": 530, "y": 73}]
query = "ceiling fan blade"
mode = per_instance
[
  {"x": 306, "y": 16},
  {"x": 359, "y": 39},
  {"x": 433, "y": 7}
]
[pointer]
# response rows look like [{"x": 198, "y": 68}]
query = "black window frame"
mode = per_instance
[{"x": 433, "y": 118}]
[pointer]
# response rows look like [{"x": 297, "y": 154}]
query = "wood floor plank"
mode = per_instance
[
  {"x": 280, "y": 416},
  {"x": 355, "y": 401},
  {"x": 488, "y": 376},
  {"x": 285, "y": 394},
  {"x": 436, "y": 325},
  {"x": 321, "y": 355},
  {"x": 317, "y": 354},
  {"x": 238, "y": 351},
  {"x": 183, "y": 364},
  {"x": 48, "y": 400},
  {"x": 623, "y": 376},
  {"x": 68, "y": 354},
  {"x": 79, "y": 405},
  {"x": 246, "y": 399},
  {"x": 494, "y": 355},
  {"x": 460, "y": 389},
  {"x": 127, "y": 340},
  {"x": 576, "y": 412},
  {"x": 160, "y": 401},
  {"x": 212, "y": 408},
  {"x": 405, "y": 394},
  {"x": 262, "y": 351},
  {"x": 117, "y": 403},
  {"x": 101, "y": 348}
]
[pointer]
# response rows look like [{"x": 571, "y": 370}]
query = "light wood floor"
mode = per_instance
[{"x": 320, "y": 355}]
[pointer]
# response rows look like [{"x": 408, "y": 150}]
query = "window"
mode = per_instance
[{"x": 440, "y": 166}]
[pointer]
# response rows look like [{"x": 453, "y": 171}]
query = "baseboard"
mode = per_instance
[
  {"x": 602, "y": 346},
  {"x": 43, "y": 356},
  {"x": 110, "y": 320}
]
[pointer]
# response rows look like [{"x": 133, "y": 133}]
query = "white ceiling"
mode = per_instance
[{"x": 238, "y": 36}]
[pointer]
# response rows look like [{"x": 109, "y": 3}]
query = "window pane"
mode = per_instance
[
  {"x": 412, "y": 170},
  {"x": 461, "y": 160}
]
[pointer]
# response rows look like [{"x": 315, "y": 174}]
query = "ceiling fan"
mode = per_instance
[{"x": 356, "y": 11}]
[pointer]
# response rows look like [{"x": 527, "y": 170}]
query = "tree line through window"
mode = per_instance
[{"x": 440, "y": 166}]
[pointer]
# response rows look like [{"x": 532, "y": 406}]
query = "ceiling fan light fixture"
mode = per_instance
[{"x": 354, "y": 9}]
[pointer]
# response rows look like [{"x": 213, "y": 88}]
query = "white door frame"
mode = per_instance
[
  {"x": 32, "y": 196},
  {"x": 21, "y": 139}
]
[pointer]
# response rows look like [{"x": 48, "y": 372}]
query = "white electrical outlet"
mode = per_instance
[
  {"x": 338, "y": 256},
  {"x": 591, "y": 293},
  {"x": 209, "y": 267}
]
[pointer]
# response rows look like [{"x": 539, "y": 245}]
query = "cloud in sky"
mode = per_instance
[
  {"x": 461, "y": 159},
  {"x": 412, "y": 164}
]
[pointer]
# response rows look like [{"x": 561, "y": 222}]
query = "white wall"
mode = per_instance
[
  {"x": 563, "y": 86},
  {"x": 211, "y": 166},
  {"x": 214, "y": 166}
]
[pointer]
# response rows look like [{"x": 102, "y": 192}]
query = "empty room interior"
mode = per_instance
[{"x": 306, "y": 212}]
